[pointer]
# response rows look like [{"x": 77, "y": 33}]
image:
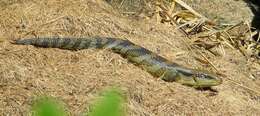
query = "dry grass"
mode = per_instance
[{"x": 76, "y": 77}]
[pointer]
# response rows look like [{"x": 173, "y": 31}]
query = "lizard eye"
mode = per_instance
[{"x": 203, "y": 76}]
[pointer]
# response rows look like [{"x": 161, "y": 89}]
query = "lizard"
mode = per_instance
[{"x": 149, "y": 61}]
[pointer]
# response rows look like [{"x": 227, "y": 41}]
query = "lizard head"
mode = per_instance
[
  {"x": 199, "y": 79},
  {"x": 191, "y": 77}
]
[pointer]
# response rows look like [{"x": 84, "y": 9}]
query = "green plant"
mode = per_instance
[
  {"x": 109, "y": 105},
  {"x": 47, "y": 106}
]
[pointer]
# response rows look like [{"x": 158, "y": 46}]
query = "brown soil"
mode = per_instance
[{"x": 77, "y": 77}]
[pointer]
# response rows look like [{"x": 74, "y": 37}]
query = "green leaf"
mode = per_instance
[
  {"x": 46, "y": 106},
  {"x": 109, "y": 105}
]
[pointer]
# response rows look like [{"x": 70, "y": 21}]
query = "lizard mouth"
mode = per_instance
[{"x": 201, "y": 83}]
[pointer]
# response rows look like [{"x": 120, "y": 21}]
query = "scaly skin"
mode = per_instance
[{"x": 147, "y": 60}]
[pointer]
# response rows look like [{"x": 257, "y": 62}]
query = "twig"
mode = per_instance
[
  {"x": 183, "y": 4},
  {"x": 171, "y": 18}
]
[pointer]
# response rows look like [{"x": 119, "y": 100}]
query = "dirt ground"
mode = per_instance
[{"x": 77, "y": 77}]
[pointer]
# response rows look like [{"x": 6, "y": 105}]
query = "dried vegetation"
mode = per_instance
[{"x": 212, "y": 37}]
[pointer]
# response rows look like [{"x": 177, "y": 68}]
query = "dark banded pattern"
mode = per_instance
[{"x": 144, "y": 58}]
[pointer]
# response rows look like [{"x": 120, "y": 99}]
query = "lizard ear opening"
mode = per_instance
[{"x": 170, "y": 76}]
